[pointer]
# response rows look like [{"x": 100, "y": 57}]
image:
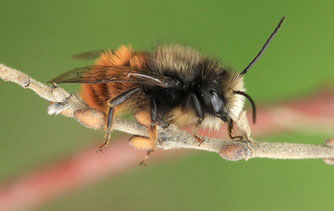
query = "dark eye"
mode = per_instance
[{"x": 216, "y": 102}]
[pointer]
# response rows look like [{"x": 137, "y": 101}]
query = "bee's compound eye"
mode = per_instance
[{"x": 216, "y": 102}]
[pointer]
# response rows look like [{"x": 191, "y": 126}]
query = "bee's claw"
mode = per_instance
[
  {"x": 143, "y": 163},
  {"x": 100, "y": 149},
  {"x": 200, "y": 141}
]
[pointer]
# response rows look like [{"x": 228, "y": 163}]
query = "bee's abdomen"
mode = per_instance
[{"x": 98, "y": 95}]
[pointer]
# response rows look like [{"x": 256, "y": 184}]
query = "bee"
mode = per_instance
[{"x": 174, "y": 84}]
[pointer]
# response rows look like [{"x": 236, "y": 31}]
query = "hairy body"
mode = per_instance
[
  {"x": 173, "y": 84},
  {"x": 195, "y": 72}
]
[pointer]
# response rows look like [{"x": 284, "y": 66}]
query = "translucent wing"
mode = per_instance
[
  {"x": 88, "y": 55},
  {"x": 107, "y": 74}
]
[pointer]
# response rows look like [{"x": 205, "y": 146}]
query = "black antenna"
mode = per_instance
[
  {"x": 250, "y": 100},
  {"x": 263, "y": 48}
]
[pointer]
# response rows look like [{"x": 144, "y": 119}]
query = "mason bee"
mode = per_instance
[{"x": 174, "y": 84}]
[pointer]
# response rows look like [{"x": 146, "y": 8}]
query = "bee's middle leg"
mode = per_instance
[{"x": 153, "y": 136}]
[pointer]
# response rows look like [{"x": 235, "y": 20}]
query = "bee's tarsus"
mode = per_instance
[{"x": 200, "y": 140}]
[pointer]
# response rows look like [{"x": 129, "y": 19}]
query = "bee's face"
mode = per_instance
[{"x": 213, "y": 100}]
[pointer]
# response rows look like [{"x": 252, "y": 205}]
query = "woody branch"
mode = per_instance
[{"x": 71, "y": 105}]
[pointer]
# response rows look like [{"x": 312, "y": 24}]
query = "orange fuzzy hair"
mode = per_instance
[{"x": 98, "y": 95}]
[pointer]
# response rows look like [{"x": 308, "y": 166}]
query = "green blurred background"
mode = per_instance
[{"x": 39, "y": 38}]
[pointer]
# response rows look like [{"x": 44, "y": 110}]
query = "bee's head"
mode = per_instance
[{"x": 223, "y": 95}]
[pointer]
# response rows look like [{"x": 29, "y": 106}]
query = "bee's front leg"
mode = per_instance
[{"x": 230, "y": 130}]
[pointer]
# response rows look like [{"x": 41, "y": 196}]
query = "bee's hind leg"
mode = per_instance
[
  {"x": 110, "y": 122},
  {"x": 112, "y": 103}
]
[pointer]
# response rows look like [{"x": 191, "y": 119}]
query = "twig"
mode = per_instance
[{"x": 171, "y": 137}]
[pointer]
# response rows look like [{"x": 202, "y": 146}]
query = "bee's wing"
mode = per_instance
[
  {"x": 108, "y": 74},
  {"x": 88, "y": 55}
]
